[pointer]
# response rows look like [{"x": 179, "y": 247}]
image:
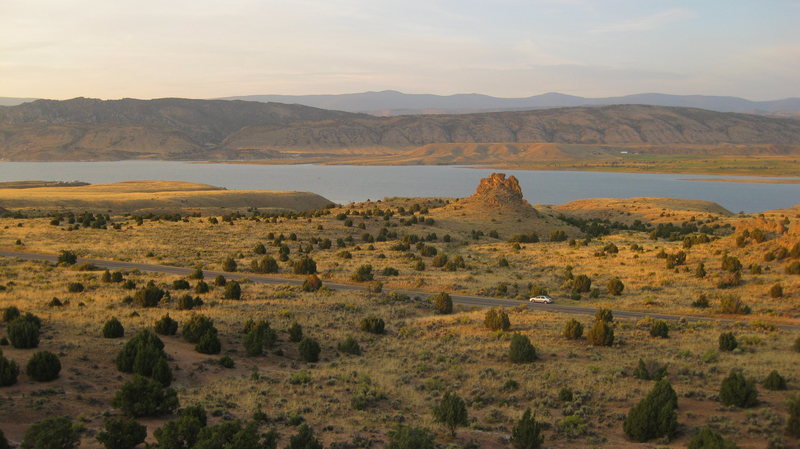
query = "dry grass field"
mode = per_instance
[{"x": 354, "y": 401}]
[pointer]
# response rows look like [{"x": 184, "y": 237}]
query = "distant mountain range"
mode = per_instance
[
  {"x": 174, "y": 128},
  {"x": 390, "y": 102}
]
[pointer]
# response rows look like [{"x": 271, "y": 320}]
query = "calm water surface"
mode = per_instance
[{"x": 344, "y": 184}]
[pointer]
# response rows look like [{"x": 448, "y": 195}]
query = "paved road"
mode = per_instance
[{"x": 479, "y": 301}]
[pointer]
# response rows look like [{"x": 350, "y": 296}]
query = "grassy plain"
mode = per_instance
[{"x": 402, "y": 374}]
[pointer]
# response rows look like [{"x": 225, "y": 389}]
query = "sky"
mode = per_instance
[{"x": 511, "y": 48}]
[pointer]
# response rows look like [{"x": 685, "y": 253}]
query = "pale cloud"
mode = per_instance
[{"x": 647, "y": 23}]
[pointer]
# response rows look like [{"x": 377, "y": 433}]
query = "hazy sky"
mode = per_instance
[{"x": 214, "y": 48}]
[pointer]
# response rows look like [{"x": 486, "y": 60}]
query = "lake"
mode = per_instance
[{"x": 344, "y": 184}]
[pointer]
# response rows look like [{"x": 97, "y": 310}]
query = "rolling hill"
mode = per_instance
[{"x": 182, "y": 129}]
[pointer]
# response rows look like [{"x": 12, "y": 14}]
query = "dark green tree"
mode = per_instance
[
  {"x": 309, "y": 349},
  {"x": 208, "y": 344},
  {"x": 451, "y": 411},
  {"x": 232, "y": 290},
  {"x": 145, "y": 397},
  {"x": 113, "y": 329},
  {"x": 349, "y": 346},
  {"x": 122, "y": 433},
  {"x": 23, "y": 332},
  {"x": 442, "y": 303},
  {"x": 363, "y": 274},
  {"x": 727, "y": 341},
  {"x": 774, "y": 381},
  {"x": 496, "y": 319},
  {"x": 655, "y": 416},
  {"x": 738, "y": 391},
  {"x": 706, "y": 438},
  {"x": 43, "y": 366},
  {"x": 149, "y": 296},
  {"x": 527, "y": 433},
  {"x": 197, "y": 326},
  {"x": 166, "y": 326},
  {"x": 305, "y": 265},
  {"x": 52, "y": 433},
  {"x": 373, "y": 325},
  {"x": 659, "y": 328},
  {"x": 615, "y": 287},
  {"x": 9, "y": 371},
  {"x": 573, "y": 330},
  {"x": 295, "y": 332},
  {"x": 601, "y": 334},
  {"x": 521, "y": 350},
  {"x": 304, "y": 439},
  {"x": 604, "y": 315},
  {"x": 229, "y": 265}
]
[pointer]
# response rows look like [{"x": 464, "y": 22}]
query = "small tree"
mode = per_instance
[
  {"x": 774, "y": 381},
  {"x": 233, "y": 290},
  {"x": 67, "y": 257},
  {"x": 793, "y": 422},
  {"x": 220, "y": 281},
  {"x": 604, "y": 315},
  {"x": 113, "y": 329},
  {"x": 655, "y": 416},
  {"x": 304, "y": 439},
  {"x": 149, "y": 296},
  {"x": 305, "y": 265},
  {"x": 581, "y": 284},
  {"x": 295, "y": 332},
  {"x": 260, "y": 248},
  {"x": 776, "y": 291},
  {"x": 373, "y": 325},
  {"x": 229, "y": 265},
  {"x": 362, "y": 274},
  {"x": 650, "y": 370},
  {"x": 615, "y": 287},
  {"x": 601, "y": 334},
  {"x": 521, "y": 350},
  {"x": 659, "y": 328},
  {"x": 738, "y": 391},
  {"x": 527, "y": 433},
  {"x": 145, "y": 397},
  {"x": 258, "y": 337},
  {"x": 496, "y": 319},
  {"x": 266, "y": 264},
  {"x": 122, "y": 433},
  {"x": 309, "y": 349},
  {"x": 349, "y": 346},
  {"x": 166, "y": 326},
  {"x": 573, "y": 330},
  {"x": 52, "y": 433},
  {"x": 727, "y": 341},
  {"x": 9, "y": 371},
  {"x": 201, "y": 287},
  {"x": 197, "y": 326},
  {"x": 442, "y": 303},
  {"x": 406, "y": 437},
  {"x": 312, "y": 283},
  {"x": 451, "y": 411},
  {"x": 23, "y": 332},
  {"x": 733, "y": 304},
  {"x": 705, "y": 438},
  {"x": 208, "y": 344},
  {"x": 43, "y": 366}
]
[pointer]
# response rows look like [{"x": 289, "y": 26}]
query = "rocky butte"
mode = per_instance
[{"x": 498, "y": 192}]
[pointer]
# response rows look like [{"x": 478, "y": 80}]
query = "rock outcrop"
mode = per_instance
[{"x": 497, "y": 193}]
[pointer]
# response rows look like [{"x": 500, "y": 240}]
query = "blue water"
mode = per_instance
[{"x": 344, "y": 184}]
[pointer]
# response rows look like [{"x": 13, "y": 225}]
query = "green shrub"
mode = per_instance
[
  {"x": 527, "y": 433},
  {"x": 23, "y": 332},
  {"x": 43, "y": 366},
  {"x": 9, "y": 371},
  {"x": 266, "y": 264},
  {"x": 406, "y": 437},
  {"x": 451, "y": 411},
  {"x": 229, "y": 265},
  {"x": 363, "y": 274},
  {"x": 166, "y": 326},
  {"x": 727, "y": 341},
  {"x": 260, "y": 248},
  {"x": 604, "y": 315},
  {"x": 565, "y": 395},
  {"x": 208, "y": 344},
  {"x": 258, "y": 337},
  {"x": 10, "y": 313},
  {"x": 731, "y": 264},
  {"x": 232, "y": 290},
  {"x": 75, "y": 287},
  {"x": 184, "y": 431},
  {"x": 373, "y": 325},
  {"x": 220, "y": 281},
  {"x": 113, "y": 329},
  {"x": 733, "y": 304},
  {"x": 705, "y": 438},
  {"x": 521, "y": 350},
  {"x": 581, "y": 284},
  {"x": 145, "y": 397},
  {"x": 149, "y": 296},
  {"x": 312, "y": 283},
  {"x": 442, "y": 303},
  {"x": 655, "y": 416},
  {"x": 226, "y": 362},
  {"x": 144, "y": 355},
  {"x": 615, "y": 287},
  {"x": 181, "y": 284},
  {"x": 305, "y": 265},
  {"x": 197, "y": 326},
  {"x": 776, "y": 291},
  {"x": 309, "y": 349},
  {"x": 52, "y": 433},
  {"x": 793, "y": 422},
  {"x": 601, "y": 334},
  {"x": 122, "y": 433},
  {"x": 496, "y": 319},
  {"x": 304, "y": 439},
  {"x": 774, "y": 381},
  {"x": 573, "y": 330},
  {"x": 188, "y": 302},
  {"x": 659, "y": 328},
  {"x": 349, "y": 346},
  {"x": 738, "y": 391},
  {"x": 197, "y": 274},
  {"x": 67, "y": 257},
  {"x": 201, "y": 287},
  {"x": 295, "y": 332},
  {"x": 650, "y": 370}
]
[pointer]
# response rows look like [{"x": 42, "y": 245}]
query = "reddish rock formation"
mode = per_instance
[{"x": 498, "y": 193}]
